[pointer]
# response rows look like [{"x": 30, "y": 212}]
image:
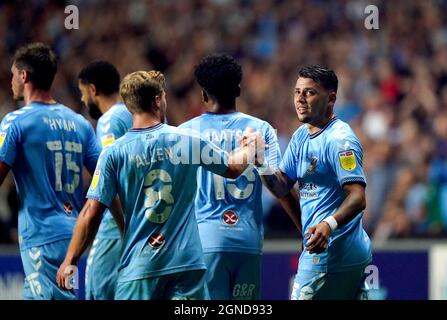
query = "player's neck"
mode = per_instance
[
  {"x": 144, "y": 120},
  {"x": 106, "y": 102},
  {"x": 219, "y": 108},
  {"x": 316, "y": 126},
  {"x": 36, "y": 95}
]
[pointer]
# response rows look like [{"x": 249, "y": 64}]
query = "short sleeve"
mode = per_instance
[
  {"x": 289, "y": 161},
  {"x": 92, "y": 150},
  {"x": 109, "y": 131},
  {"x": 346, "y": 158},
  {"x": 273, "y": 153},
  {"x": 9, "y": 140},
  {"x": 103, "y": 187}
]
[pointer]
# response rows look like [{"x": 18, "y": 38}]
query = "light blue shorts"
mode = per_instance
[
  {"x": 186, "y": 285},
  {"x": 101, "y": 271},
  {"x": 40, "y": 265},
  {"x": 233, "y": 275},
  {"x": 347, "y": 285}
]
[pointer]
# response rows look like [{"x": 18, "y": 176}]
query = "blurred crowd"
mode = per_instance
[{"x": 392, "y": 81}]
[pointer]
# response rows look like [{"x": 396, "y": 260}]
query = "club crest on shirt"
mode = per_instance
[
  {"x": 347, "y": 160},
  {"x": 230, "y": 218},
  {"x": 157, "y": 240},
  {"x": 68, "y": 208},
  {"x": 312, "y": 166}
]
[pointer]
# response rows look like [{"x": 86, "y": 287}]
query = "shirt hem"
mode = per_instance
[{"x": 160, "y": 273}]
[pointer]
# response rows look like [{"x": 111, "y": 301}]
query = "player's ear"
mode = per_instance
[
  {"x": 331, "y": 99},
  {"x": 205, "y": 96},
  {"x": 24, "y": 76},
  {"x": 92, "y": 89},
  {"x": 157, "y": 102}
]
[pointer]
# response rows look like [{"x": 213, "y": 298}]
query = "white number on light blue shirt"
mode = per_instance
[
  {"x": 233, "y": 190},
  {"x": 70, "y": 164},
  {"x": 153, "y": 196}
]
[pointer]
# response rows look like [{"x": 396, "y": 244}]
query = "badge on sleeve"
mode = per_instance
[
  {"x": 107, "y": 139},
  {"x": 347, "y": 160},
  {"x": 95, "y": 179},
  {"x": 2, "y": 138}
]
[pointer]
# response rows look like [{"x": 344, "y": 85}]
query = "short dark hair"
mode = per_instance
[
  {"x": 219, "y": 74},
  {"x": 103, "y": 75},
  {"x": 39, "y": 61},
  {"x": 321, "y": 75}
]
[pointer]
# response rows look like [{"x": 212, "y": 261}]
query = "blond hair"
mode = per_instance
[{"x": 139, "y": 89}]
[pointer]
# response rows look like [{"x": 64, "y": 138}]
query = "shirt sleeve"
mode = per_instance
[
  {"x": 108, "y": 132},
  {"x": 103, "y": 187},
  {"x": 289, "y": 161},
  {"x": 346, "y": 158},
  {"x": 273, "y": 153},
  {"x": 93, "y": 149},
  {"x": 9, "y": 140}
]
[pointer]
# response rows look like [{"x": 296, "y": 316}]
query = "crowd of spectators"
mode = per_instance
[{"x": 392, "y": 80}]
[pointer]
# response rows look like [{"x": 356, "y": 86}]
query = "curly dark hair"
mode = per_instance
[
  {"x": 321, "y": 75},
  {"x": 219, "y": 74}
]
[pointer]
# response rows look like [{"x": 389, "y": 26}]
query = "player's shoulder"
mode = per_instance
[
  {"x": 340, "y": 130},
  {"x": 15, "y": 117},
  {"x": 189, "y": 123},
  {"x": 258, "y": 122},
  {"x": 341, "y": 135},
  {"x": 117, "y": 112},
  {"x": 300, "y": 133}
]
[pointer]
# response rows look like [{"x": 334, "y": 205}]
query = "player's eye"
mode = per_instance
[{"x": 309, "y": 92}]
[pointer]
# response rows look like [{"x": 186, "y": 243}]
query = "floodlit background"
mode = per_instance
[{"x": 392, "y": 91}]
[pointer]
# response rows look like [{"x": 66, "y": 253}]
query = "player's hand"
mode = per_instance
[
  {"x": 64, "y": 275},
  {"x": 255, "y": 142},
  {"x": 319, "y": 237}
]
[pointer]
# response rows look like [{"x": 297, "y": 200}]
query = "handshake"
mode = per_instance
[{"x": 252, "y": 148}]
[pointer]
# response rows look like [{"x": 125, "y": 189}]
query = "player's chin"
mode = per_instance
[{"x": 304, "y": 118}]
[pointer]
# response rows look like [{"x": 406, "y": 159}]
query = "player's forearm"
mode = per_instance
[
  {"x": 86, "y": 227},
  {"x": 290, "y": 203},
  {"x": 353, "y": 204},
  {"x": 276, "y": 183},
  {"x": 237, "y": 163}
]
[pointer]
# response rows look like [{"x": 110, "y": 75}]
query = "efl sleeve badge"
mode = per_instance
[
  {"x": 95, "y": 179},
  {"x": 107, "y": 139},
  {"x": 347, "y": 160},
  {"x": 2, "y": 138}
]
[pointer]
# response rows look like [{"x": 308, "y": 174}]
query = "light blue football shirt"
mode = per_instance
[
  {"x": 154, "y": 171},
  {"x": 112, "y": 125},
  {"x": 322, "y": 163},
  {"x": 46, "y": 146},
  {"x": 229, "y": 212}
]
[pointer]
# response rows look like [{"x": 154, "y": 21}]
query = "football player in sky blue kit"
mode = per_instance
[
  {"x": 99, "y": 85},
  {"x": 325, "y": 157},
  {"x": 229, "y": 212},
  {"x": 153, "y": 169},
  {"x": 46, "y": 145}
]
